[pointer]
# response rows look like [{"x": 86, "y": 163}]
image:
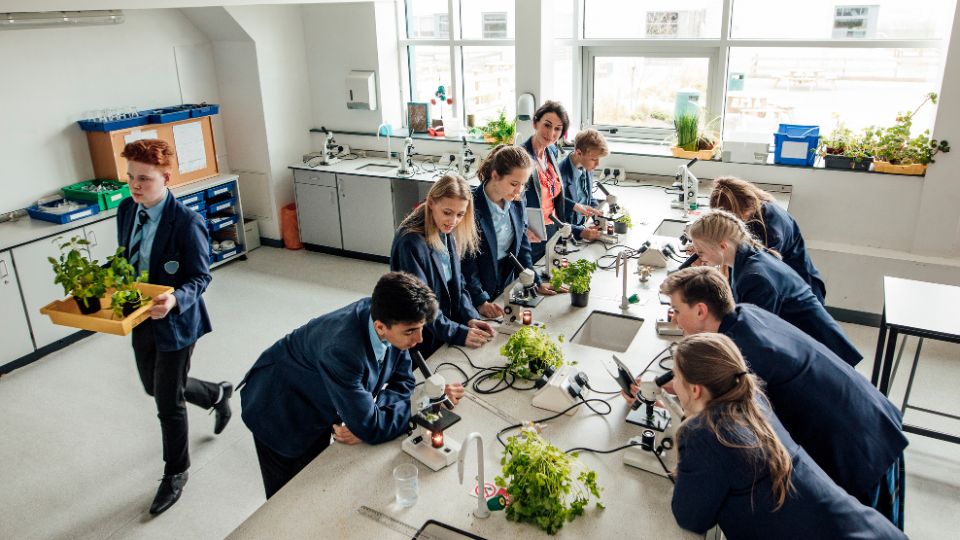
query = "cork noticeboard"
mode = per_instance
[{"x": 192, "y": 138}]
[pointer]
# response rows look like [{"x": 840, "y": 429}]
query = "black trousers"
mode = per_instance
[
  {"x": 277, "y": 470},
  {"x": 164, "y": 376}
]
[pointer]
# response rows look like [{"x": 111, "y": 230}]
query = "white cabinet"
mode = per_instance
[
  {"x": 366, "y": 214},
  {"x": 102, "y": 236},
  {"x": 14, "y": 332},
  {"x": 319, "y": 215},
  {"x": 36, "y": 283}
]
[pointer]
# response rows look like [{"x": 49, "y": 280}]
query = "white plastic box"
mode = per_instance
[
  {"x": 746, "y": 148},
  {"x": 251, "y": 229}
]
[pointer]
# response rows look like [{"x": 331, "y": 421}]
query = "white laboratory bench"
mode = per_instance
[{"x": 323, "y": 500}]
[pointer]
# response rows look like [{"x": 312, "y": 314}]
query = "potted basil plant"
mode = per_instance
[
  {"x": 622, "y": 223},
  {"x": 79, "y": 275},
  {"x": 529, "y": 351},
  {"x": 577, "y": 276},
  {"x": 123, "y": 278}
]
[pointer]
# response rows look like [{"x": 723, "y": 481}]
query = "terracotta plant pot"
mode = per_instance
[
  {"x": 579, "y": 300},
  {"x": 702, "y": 155},
  {"x": 93, "y": 305},
  {"x": 915, "y": 169}
]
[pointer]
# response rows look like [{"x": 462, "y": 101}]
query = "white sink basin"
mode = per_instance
[
  {"x": 672, "y": 228},
  {"x": 377, "y": 167},
  {"x": 608, "y": 331}
]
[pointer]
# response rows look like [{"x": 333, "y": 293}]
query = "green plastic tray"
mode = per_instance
[{"x": 106, "y": 199}]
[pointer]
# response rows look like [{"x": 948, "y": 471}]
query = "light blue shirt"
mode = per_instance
[
  {"x": 149, "y": 231},
  {"x": 379, "y": 345},
  {"x": 502, "y": 224},
  {"x": 445, "y": 269}
]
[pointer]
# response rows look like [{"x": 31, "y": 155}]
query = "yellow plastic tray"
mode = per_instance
[{"x": 66, "y": 312}]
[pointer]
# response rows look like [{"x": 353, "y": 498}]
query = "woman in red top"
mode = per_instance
[{"x": 545, "y": 188}]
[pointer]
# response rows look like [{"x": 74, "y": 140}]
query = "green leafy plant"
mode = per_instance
[
  {"x": 577, "y": 275},
  {"x": 895, "y": 145},
  {"x": 689, "y": 134},
  {"x": 501, "y": 130},
  {"x": 546, "y": 486},
  {"x": 77, "y": 273},
  {"x": 123, "y": 277},
  {"x": 625, "y": 218},
  {"x": 530, "y": 350},
  {"x": 843, "y": 142}
]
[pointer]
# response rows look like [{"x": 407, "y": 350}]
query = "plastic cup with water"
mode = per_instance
[{"x": 407, "y": 482}]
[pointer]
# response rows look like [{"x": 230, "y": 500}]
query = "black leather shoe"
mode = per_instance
[
  {"x": 222, "y": 408},
  {"x": 171, "y": 487}
]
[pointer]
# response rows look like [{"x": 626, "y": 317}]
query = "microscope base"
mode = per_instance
[
  {"x": 646, "y": 460},
  {"x": 420, "y": 448},
  {"x": 531, "y": 302}
]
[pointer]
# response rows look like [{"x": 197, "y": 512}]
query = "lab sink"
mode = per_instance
[
  {"x": 608, "y": 331},
  {"x": 377, "y": 167},
  {"x": 671, "y": 228}
]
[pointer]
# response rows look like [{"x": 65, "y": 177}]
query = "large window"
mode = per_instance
[
  {"x": 467, "y": 47},
  {"x": 748, "y": 65}
]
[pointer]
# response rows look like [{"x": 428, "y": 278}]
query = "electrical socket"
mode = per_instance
[
  {"x": 448, "y": 159},
  {"x": 617, "y": 173},
  {"x": 346, "y": 150}
]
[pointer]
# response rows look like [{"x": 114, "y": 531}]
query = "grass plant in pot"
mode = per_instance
[
  {"x": 79, "y": 275},
  {"x": 844, "y": 150},
  {"x": 691, "y": 140},
  {"x": 529, "y": 351},
  {"x": 547, "y": 487},
  {"x": 500, "y": 130},
  {"x": 577, "y": 276},
  {"x": 895, "y": 151},
  {"x": 123, "y": 278}
]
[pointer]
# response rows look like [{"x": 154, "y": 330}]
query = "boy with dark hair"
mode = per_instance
[
  {"x": 170, "y": 242},
  {"x": 346, "y": 374}
]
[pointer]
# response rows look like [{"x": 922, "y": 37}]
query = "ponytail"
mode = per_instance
[
  {"x": 720, "y": 225},
  {"x": 503, "y": 159}
]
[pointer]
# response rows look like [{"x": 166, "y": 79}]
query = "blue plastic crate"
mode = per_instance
[
  {"x": 219, "y": 256},
  {"x": 230, "y": 188},
  {"x": 112, "y": 125},
  {"x": 219, "y": 206},
  {"x": 796, "y": 144},
  {"x": 218, "y": 223},
  {"x": 193, "y": 198},
  {"x": 204, "y": 109},
  {"x": 198, "y": 207},
  {"x": 43, "y": 213},
  {"x": 166, "y": 115}
]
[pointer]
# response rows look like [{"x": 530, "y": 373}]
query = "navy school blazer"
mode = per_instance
[
  {"x": 410, "y": 253},
  {"x": 782, "y": 234},
  {"x": 322, "y": 373},
  {"x": 846, "y": 425},
  {"x": 532, "y": 191},
  {"x": 179, "y": 258},
  {"x": 576, "y": 191},
  {"x": 480, "y": 271},
  {"x": 760, "y": 278},
  {"x": 719, "y": 485}
]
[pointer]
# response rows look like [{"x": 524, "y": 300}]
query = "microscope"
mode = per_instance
[
  {"x": 406, "y": 158},
  {"x": 524, "y": 293},
  {"x": 467, "y": 157},
  {"x": 612, "y": 209},
  {"x": 328, "y": 154},
  {"x": 427, "y": 444},
  {"x": 689, "y": 188},
  {"x": 654, "y": 449},
  {"x": 556, "y": 246}
]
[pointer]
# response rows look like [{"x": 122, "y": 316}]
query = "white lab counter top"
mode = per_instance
[
  {"x": 322, "y": 501},
  {"x": 423, "y": 172},
  {"x": 25, "y": 229}
]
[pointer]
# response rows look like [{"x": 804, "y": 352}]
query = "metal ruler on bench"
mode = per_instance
[{"x": 394, "y": 524}]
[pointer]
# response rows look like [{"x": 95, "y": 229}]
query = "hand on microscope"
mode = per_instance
[
  {"x": 590, "y": 233},
  {"x": 490, "y": 310},
  {"x": 479, "y": 334},
  {"x": 587, "y": 211},
  {"x": 342, "y": 434},
  {"x": 454, "y": 392}
]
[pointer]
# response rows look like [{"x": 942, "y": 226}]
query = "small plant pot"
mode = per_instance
[
  {"x": 93, "y": 305},
  {"x": 843, "y": 162},
  {"x": 129, "y": 307},
  {"x": 915, "y": 169},
  {"x": 702, "y": 155},
  {"x": 579, "y": 299},
  {"x": 619, "y": 227}
]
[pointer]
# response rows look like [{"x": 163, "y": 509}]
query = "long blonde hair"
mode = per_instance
[
  {"x": 721, "y": 226},
  {"x": 741, "y": 198},
  {"x": 465, "y": 234},
  {"x": 714, "y": 362}
]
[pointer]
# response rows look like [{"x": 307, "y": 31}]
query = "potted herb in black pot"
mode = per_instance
[
  {"x": 531, "y": 350},
  {"x": 843, "y": 150},
  {"x": 80, "y": 277},
  {"x": 577, "y": 276},
  {"x": 622, "y": 223},
  {"x": 123, "y": 278}
]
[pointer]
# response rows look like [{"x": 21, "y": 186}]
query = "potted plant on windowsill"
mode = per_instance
[
  {"x": 123, "y": 278},
  {"x": 500, "y": 130},
  {"x": 530, "y": 350},
  {"x": 844, "y": 150},
  {"x": 577, "y": 276},
  {"x": 691, "y": 140},
  {"x": 896, "y": 151},
  {"x": 547, "y": 487},
  {"x": 79, "y": 275}
]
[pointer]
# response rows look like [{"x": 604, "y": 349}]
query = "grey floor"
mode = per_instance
[{"x": 80, "y": 443}]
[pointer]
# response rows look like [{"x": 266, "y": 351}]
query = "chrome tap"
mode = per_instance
[
  {"x": 388, "y": 132},
  {"x": 622, "y": 260},
  {"x": 481, "y": 511}
]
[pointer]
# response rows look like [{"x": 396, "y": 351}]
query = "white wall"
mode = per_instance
[{"x": 51, "y": 76}]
